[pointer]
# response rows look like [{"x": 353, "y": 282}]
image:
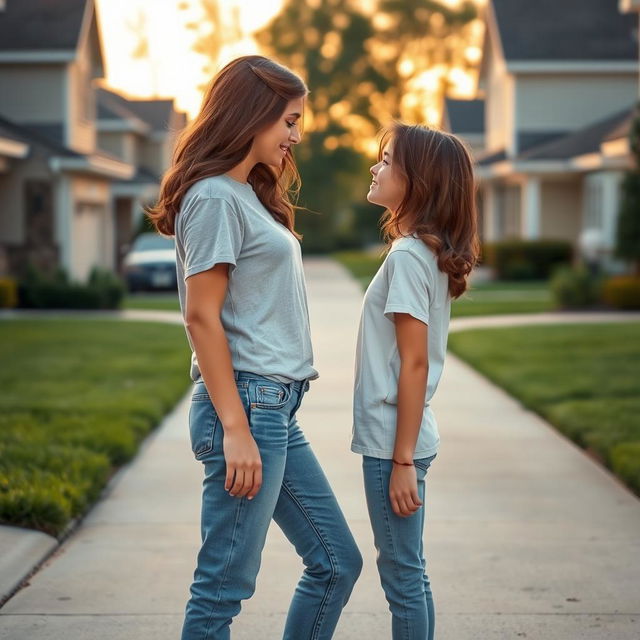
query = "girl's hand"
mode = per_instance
[
  {"x": 244, "y": 465},
  {"x": 403, "y": 491}
]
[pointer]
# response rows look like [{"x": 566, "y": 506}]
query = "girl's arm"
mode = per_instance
[
  {"x": 412, "y": 339},
  {"x": 206, "y": 292}
]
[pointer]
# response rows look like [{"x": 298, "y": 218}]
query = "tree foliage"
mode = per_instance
[{"x": 364, "y": 68}]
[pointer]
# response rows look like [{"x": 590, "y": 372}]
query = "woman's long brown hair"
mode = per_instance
[
  {"x": 439, "y": 204},
  {"x": 244, "y": 98}
]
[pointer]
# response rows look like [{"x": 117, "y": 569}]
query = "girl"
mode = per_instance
[
  {"x": 425, "y": 180},
  {"x": 243, "y": 299}
]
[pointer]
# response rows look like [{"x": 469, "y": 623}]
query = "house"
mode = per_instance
[
  {"x": 63, "y": 194},
  {"x": 560, "y": 80},
  {"x": 142, "y": 133},
  {"x": 465, "y": 119}
]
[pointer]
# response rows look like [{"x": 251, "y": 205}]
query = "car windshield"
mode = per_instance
[{"x": 153, "y": 242}]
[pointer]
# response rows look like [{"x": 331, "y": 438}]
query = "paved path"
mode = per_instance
[{"x": 526, "y": 537}]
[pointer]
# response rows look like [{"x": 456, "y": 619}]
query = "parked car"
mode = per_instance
[{"x": 151, "y": 263}]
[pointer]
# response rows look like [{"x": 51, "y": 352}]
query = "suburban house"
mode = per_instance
[
  {"x": 465, "y": 118},
  {"x": 141, "y": 133},
  {"x": 70, "y": 179},
  {"x": 560, "y": 80}
]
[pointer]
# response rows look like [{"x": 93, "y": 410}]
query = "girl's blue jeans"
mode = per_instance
[
  {"x": 401, "y": 562},
  {"x": 295, "y": 493}
]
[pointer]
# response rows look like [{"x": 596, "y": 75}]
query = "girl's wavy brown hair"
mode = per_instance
[
  {"x": 244, "y": 98},
  {"x": 439, "y": 204}
]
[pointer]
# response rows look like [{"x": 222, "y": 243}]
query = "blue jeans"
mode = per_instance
[
  {"x": 401, "y": 562},
  {"x": 295, "y": 493}
]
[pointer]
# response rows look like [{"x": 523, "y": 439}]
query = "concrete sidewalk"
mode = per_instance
[{"x": 526, "y": 537}]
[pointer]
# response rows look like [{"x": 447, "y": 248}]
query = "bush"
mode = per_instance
[
  {"x": 104, "y": 290},
  {"x": 622, "y": 292},
  {"x": 625, "y": 462},
  {"x": 8, "y": 293},
  {"x": 574, "y": 288},
  {"x": 526, "y": 259}
]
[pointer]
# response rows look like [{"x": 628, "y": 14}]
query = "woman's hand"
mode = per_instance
[
  {"x": 403, "y": 490},
  {"x": 244, "y": 465}
]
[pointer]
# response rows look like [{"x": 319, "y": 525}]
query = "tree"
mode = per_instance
[
  {"x": 418, "y": 44},
  {"x": 214, "y": 30},
  {"x": 628, "y": 231},
  {"x": 325, "y": 42},
  {"x": 355, "y": 64}
]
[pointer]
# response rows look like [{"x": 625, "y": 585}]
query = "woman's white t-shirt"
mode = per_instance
[
  {"x": 408, "y": 281},
  {"x": 265, "y": 314}
]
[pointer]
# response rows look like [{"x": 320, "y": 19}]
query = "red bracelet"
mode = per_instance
[{"x": 402, "y": 464}]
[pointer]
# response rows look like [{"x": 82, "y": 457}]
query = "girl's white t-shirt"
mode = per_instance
[{"x": 408, "y": 281}]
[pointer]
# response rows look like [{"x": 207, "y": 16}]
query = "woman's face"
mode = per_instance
[
  {"x": 387, "y": 187},
  {"x": 272, "y": 145}
]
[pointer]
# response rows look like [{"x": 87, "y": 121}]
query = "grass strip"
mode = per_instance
[
  {"x": 583, "y": 379},
  {"x": 77, "y": 397}
]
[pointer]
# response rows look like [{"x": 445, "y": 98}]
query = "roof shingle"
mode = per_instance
[
  {"x": 576, "y": 30},
  {"x": 29, "y": 25}
]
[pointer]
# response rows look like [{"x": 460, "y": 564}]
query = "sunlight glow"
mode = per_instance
[{"x": 172, "y": 68}]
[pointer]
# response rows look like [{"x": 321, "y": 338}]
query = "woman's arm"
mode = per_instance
[
  {"x": 206, "y": 292},
  {"x": 412, "y": 340}
]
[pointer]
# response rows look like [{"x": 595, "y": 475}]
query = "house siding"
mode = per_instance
[
  {"x": 22, "y": 88},
  {"x": 568, "y": 102},
  {"x": 561, "y": 206}
]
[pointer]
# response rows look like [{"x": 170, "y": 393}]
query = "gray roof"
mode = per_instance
[
  {"x": 491, "y": 157},
  {"x": 112, "y": 106},
  {"x": 37, "y": 139},
  {"x": 586, "y": 140},
  {"x": 623, "y": 129},
  {"x": 156, "y": 113},
  {"x": 7, "y": 132},
  {"x": 566, "y": 30},
  {"x": 465, "y": 116},
  {"x": 530, "y": 139},
  {"x": 41, "y": 24}
]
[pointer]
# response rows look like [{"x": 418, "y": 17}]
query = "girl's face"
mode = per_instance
[
  {"x": 387, "y": 187},
  {"x": 272, "y": 145}
]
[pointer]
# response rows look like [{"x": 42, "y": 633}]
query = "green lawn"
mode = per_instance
[
  {"x": 165, "y": 301},
  {"x": 76, "y": 399},
  {"x": 490, "y": 298},
  {"x": 584, "y": 379}
]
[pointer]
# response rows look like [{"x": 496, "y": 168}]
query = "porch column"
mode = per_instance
[
  {"x": 530, "y": 211},
  {"x": 490, "y": 214},
  {"x": 610, "y": 206}
]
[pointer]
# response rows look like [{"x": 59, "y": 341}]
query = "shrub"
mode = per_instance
[
  {"x": 574, "y": 288},
  {"x": 104, "y": 290},
  {"x": 622, "y": 292},
  {"x": 625, "y": 462},
  {"x": 526, "y": 259},
  {"x": 8, "y": 293}
]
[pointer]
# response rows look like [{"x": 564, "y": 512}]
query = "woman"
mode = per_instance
[
  {"x": 424, "y": 178},
  {"x": 243, "y": 299}
]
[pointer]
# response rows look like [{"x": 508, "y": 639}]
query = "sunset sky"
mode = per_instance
[{"x": 171, "y": 68}]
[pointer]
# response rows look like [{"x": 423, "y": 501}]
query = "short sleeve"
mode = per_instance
[
  {"x": 409, "y": 285},
  {"x": 211, "y": 233}
]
